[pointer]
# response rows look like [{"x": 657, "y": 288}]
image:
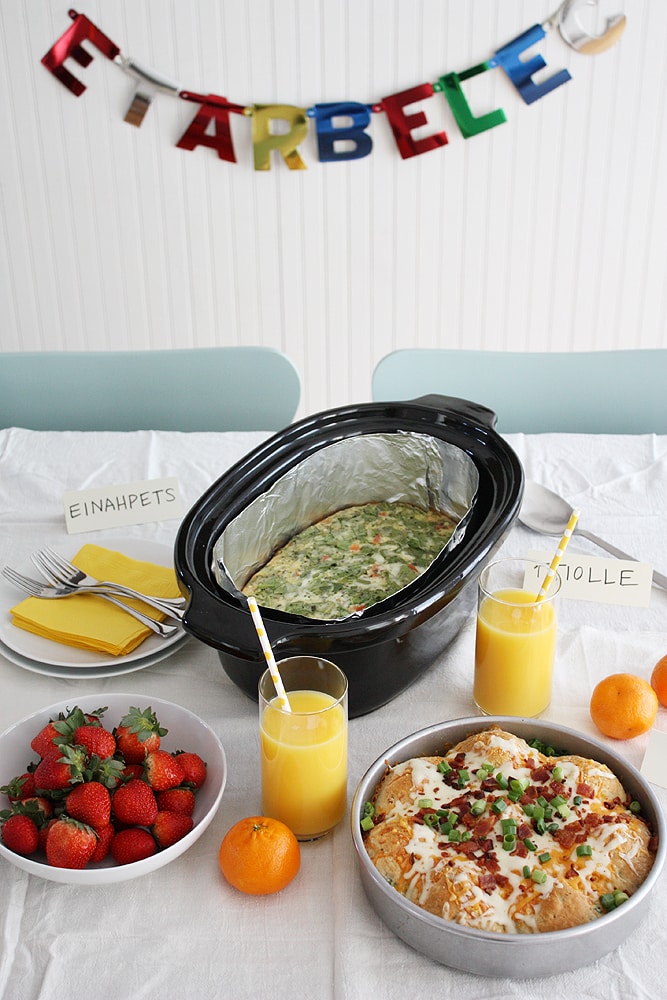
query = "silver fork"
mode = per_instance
[
  {"x": 35, "y": 588},
  {"x": 56, "y": 569}
]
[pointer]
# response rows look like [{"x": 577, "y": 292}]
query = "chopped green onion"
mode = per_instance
[
  {"x": 607, "y": 901},
  {"x": 620, "y": 897},
  {"x": 529, "y": 809},
  {"x": 552, "y": 827},
  {"x": 539, "y": 876},
  {"x": 487, "y": 767},
  {"x": 478, "y": 807},
  {"x": 446, "y": 828},
  {"x": 557, "y": 774},
  {"x": 514, "y": 795},
  {"x": 367, "y": 823},
  {"x": 508, "y": 825},
  {"x": 444, "y": 767},
  {"x": 530, "y": 844},
  {"x": 564, "y": 811},
  {"x": 519, "y": 784},
  {"x": 635, "y": 807},
  {"x": 577, "y": 800},
  {"x": 369, "y": 809},
  {"x": 584, "y": 850},
  {"x": 498, "y": 806},
  {"x": 431, "y": 820},
  {"x": 542, "y": 801},
  {"x": 538, "y": 812},
  {"x": 526, "y": 871},
  {"x": 463, "y": 777},
  {"x": 540, "y": 826},
  {"x": 543, "y": 858},
  {"x": 466, "y": 835},
  {"x": 425, "y": 803},
  {"x": 557, "y": 801},
  {"x": 509, "y": 842},
  {"x": 442, "y": 814},
  {"x": 501, "y": 780},
  {"x": 454, "y": 836}
]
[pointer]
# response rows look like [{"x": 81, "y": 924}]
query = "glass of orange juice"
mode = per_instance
[
  {"x": 304, "y": 750},
  {"x": 515, "y": 642}
]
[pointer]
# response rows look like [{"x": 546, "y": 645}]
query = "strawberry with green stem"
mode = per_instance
[{"x": 138, "y": 734}]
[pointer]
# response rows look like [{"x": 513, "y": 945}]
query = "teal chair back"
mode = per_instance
[
  {"x": 198, "y": 389},
  {"x": 604, "y": 392}
]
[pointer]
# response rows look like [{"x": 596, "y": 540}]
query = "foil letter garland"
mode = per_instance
[{"x": 215, "y": 110}]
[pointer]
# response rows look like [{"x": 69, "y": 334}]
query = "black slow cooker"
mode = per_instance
[{"x": 387, "y": 647}]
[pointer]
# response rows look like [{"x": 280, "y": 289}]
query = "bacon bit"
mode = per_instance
[
  {"x": 358, "y": 607},
  {"x": 487, "y": 882},
  {"x": 324, "y": 558},
  {"x": 520, "y": 851},
  {"x": 566, "y": 837},
  {"x": 377, "y": 539},
  {"x": 383, "y": 513},
  {"x": 502, "y": 879},
  {"x": 523, "y": 831},
  {"x": 413, "y": 567},
  {"x": 484, "y": 826},
  {"x": 585, "y": 790},
  {"x": 558, "y": 788},
  {"x": 541, "y": 774},
  {"x": 591, "y": 820},
  {"x": 374, "y": 570},
  {"x": 355, "y": 547},
  {"x": 571, "y": 872}
]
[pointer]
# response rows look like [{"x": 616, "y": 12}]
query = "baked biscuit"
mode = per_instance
[{"x": 498, "y": 836}]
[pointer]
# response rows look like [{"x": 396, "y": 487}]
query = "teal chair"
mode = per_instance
[
  {"x": 603, "y": 392},
  {"x": 197, "y": 389}
]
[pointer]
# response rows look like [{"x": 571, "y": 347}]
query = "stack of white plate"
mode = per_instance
[{"x": 42, "y": 656}]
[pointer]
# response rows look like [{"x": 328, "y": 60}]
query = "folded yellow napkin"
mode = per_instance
[{"x": 90, "y": 622}]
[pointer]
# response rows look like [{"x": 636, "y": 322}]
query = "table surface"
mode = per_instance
[{"x": 183, "y": 929}]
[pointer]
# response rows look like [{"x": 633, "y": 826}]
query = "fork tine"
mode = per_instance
[
  {"x": 32, "y": 587},
  {"x": 59, "y": 561},
  {"x": 44, "y": 565}
]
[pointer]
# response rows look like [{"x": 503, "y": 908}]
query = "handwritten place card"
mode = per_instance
[
  {"x": 592, "y": 578},
  {"x": 122, "y": 504},
  {"x": 653, "y": 765}
]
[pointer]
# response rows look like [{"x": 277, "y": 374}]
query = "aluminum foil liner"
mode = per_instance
[{"x": 403, "y": 466}]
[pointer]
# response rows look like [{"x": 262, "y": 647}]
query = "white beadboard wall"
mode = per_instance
[{"x": 548, "y": 232}]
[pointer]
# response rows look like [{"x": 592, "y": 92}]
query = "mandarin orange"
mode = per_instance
[
  {"x": 259, "y": 855},
  {"x": 659, "y": 680},
  {"x": 623, "y": 706}
]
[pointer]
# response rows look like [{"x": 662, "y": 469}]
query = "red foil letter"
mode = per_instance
[
  {"x": 213, "y": 109},
  {"x": 402, "y": 125},
  {"x": 69, "y": 44}
]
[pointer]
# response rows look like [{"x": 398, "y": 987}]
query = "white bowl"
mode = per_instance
[{"x": 186, "y": 731}]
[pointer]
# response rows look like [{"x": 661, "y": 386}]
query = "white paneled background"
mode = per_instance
[{"x": 548, "y": 232}]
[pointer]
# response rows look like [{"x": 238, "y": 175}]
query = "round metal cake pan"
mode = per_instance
[{"x": 488, "y": 953}]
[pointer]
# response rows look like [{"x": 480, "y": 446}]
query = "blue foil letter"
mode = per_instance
[
  {"x": 520, "y": 71},
  {"x": 329, "y": 134}
]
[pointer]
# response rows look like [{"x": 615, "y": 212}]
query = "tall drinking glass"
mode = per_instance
[
  {"x": 304, "y": 751},
  {"x": 515, "y": 643}
]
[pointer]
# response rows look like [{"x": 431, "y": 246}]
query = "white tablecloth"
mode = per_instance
[{"x": 183, "y": 931}]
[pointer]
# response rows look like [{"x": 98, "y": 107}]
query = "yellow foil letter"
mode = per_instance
[{"x": 264, "y": 140}]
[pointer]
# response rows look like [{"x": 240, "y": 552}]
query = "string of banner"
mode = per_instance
[{"x": 340, "y": 126}]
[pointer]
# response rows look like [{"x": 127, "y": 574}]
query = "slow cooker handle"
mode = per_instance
[{"x": 465, "y": 408}]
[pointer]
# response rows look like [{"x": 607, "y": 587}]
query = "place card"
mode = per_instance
[
  {"x": 592, "y": 578},
  {"x": 122, "y": 504},
  {"x": 653, "y": 765}
]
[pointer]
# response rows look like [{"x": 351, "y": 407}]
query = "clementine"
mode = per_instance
[
  {"x": 659, "y": 680},
  {"x": 259, "y": 855},
  {"x": 623, "y": 706}
]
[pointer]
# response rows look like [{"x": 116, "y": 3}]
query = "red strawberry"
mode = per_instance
[
  {"x": 162, "y": 770},
  {"x": 194, "y": 767},
  {"x": 134, "y": 804},
  {"x": 42, "y": 743},
  {"x": 58, "y": 772},
  {"x": 132, "y": 845},
  {"x": 90, "y": 803},
  {"x": 139, "y": 733},
  {"x": 178, "y": 800},
  {"x": 169, "y": 827},
  {"x": 70, "y": 844},
  {"x": 133, "y": 771},
  {"x": 36, "y": 806},
  {"x": 20, "y": 787},
  {"x": 104, "y": 837},
  {"x": 44, "y": 832},
  {"x": 20, "y": 834},
  {"x": 96, "y": 740}
]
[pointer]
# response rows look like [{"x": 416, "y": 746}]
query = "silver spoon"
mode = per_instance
[{"x": 544, "y": 511}]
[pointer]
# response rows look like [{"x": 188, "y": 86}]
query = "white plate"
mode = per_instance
[
  {"x": 118, "y": 667},
  {"x": 55, "y": 654},
  {"x": 186, "y": 731}
]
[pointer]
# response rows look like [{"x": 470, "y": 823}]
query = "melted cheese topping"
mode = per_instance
[
  {"x": 491, "y": 882},
  {"x": 351, "y": 559}
]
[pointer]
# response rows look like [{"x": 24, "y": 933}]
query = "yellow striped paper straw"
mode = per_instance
[
  {"x": 562, "y": 545},
  {"x": 268, "y": 653}
]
